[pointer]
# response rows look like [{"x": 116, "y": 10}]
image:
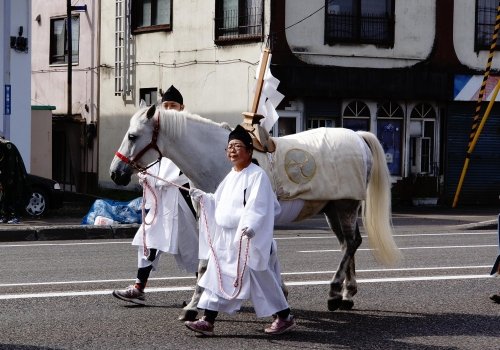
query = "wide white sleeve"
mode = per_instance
[{"x": 258, "y": 214}]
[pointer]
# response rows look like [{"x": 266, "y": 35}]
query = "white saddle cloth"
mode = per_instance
[{"x": 318, "y": 164}]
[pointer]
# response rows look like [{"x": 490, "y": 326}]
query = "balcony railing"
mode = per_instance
[
  {"x": 366, "y": 29},
  {"x": 231, "y": 25}
]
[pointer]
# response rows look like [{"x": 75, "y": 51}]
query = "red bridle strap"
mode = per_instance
[{"x": 151, "y": 145}]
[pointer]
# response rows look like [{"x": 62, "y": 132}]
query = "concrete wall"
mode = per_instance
[
  {"x": 463, "y": 37},
  {"x": 41, "y": 141},
  {"x": 216, "y": 82},
  {"x": 414, "y": 37}
]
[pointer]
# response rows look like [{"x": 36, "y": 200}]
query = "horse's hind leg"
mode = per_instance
[
  {"x": 190, "y": 311},
  {"x": 342, "y": 218},
  {"x": 350, "y": 287}
]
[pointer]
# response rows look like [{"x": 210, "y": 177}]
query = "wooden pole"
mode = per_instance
[
  {"x": 260, "y": 80},
  {"x": 474, "y": 141}
]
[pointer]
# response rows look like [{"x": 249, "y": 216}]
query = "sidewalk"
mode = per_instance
[
  {"x": 66, "y": 224},
  {"x": 63, "y": 224}
]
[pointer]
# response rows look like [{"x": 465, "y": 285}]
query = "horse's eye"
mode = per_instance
[{"x": 132, "y": 137}]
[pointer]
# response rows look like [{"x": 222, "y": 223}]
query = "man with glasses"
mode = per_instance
[{"x": 239, "y": 218}]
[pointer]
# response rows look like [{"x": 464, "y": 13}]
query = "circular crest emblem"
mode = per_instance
[{"x": 300, "y": 166}]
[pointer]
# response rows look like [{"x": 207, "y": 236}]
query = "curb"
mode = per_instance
[{"x": 67, "y": 232}]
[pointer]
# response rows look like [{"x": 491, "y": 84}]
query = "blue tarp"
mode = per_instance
[{"x": 120, "y": 212}]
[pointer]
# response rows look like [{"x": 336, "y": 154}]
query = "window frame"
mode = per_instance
[
  {"x": 145, "y": 92},
  {"x": 137, "y": 10},
  {"x": 53, "y": 45},
  {"x": 356, "y": 111},
  {"x": 423, "y": 114},
  {"x": 243, "y": 33},
  {"x": 355, "y": 22},
  {"x": 390, "y": 118},
  {"x": 481, "y": 43}
]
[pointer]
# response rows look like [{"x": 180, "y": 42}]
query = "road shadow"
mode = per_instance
[{"x": 379, "y": 329}]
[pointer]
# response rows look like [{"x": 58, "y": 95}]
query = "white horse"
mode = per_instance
[{"x": 196, "y": 145}]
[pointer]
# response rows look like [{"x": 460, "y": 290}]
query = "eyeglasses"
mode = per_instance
[{"x": 235, "y": 147}]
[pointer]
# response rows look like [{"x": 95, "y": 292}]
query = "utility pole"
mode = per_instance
[{"x": 70, "y": 56}]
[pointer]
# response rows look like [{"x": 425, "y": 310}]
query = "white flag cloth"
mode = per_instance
[{"x": 270, "y": 97}]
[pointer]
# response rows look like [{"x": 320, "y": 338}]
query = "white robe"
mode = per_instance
[
  {"x": 170, "y": 225},
  {"x": 243, "y": 199}
]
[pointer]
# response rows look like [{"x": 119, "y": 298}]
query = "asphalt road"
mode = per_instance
[{"x": 57, "y": 294}]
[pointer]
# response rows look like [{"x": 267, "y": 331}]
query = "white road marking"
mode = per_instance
[
  {"x": 407, "y": 248},
  {"x": 30, "y": 284},
  {"x": 392, "y": 270},
  {"x": 393, "y": 279},
  {"x": 329, "y": 235},
  {"x": 93, "y": 281},
  {"x": 29, "y": 245},
  {"x": 295, "y": 283},
  {"x": 84, "y": 293}
]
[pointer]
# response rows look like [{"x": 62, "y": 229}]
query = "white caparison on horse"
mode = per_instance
[{"x": 334, "y": 171}]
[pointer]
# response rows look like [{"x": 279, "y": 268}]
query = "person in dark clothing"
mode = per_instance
[{"x": 13, "y": 183}]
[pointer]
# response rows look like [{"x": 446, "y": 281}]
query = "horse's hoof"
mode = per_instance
[
  {"x": 346, "y": 304},
  {"x": 188, "y": 315},
  {"x": 334, "y": 303}
]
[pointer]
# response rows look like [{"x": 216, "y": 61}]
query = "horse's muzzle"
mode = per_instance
[{"x": 121, "y": 178}]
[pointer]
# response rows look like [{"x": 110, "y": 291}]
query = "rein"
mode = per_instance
[{"x": 133, "y": 162}]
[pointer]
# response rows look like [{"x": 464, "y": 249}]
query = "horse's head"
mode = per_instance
[{"x": 138, "y": 148}]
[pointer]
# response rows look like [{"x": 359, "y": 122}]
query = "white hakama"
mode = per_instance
[
  {"x": 170, "y": 226},
  {"x": 243, "y": 199}
]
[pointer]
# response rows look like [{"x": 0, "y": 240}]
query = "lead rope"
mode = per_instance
[
  {"x": 238, "y": 281},
  {"x": 146, "y": 186},
  {"x": 239, "y": 277}
]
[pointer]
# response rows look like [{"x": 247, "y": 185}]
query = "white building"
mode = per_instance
[
  {"x": 15, "y": 65},
  {"x": 207, "y": 49}
]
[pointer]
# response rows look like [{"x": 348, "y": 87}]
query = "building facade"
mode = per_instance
[
  {"x": 71, "y": 88},
  {"x": 15, "y": 70},
  {"x": 209, "y": 50},
  {"x": 396, "y": 68},
  {"x": 407, "y": 71}
]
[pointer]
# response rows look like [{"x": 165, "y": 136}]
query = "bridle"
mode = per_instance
[{"x": 133, "y": 161}]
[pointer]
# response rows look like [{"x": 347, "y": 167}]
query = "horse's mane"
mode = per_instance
[{"x": 175, "y": 121}]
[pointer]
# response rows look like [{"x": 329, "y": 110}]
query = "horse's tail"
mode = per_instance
[{"x": 377, "y": 207}]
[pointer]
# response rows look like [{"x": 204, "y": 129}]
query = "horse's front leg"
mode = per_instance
[{"x": 190, "y": 311}]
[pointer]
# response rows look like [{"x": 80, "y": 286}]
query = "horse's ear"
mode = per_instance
[
  {"x": 151, "y": 112},
  {"x": 142, "y": 104}
]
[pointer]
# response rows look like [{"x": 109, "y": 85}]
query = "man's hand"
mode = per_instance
[
  {"x": 196, "y": 193},
  {"x": 247, "y": 231}
]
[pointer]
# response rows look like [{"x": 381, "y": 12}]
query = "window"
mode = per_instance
[
  {"x": 356, "y": 116},
  {"x": 151, "y": 15},
  {"x": 422, "y": 139},
  {"x": 149, "y": 95},
  {"x": 313, "y": 123},
  {"x": 390, "y": 133},
  {"x": 59, "y": 42},
  {"x": 238, "y": 20},
  {"x": 486, "y": 12},
  {"x": 360, "y": 22}
]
